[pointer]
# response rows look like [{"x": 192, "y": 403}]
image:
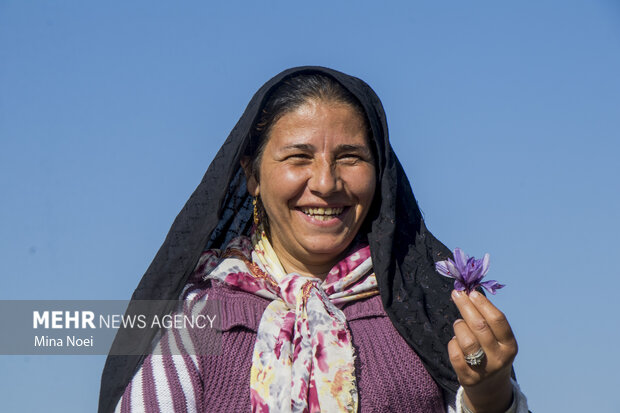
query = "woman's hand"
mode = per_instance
[{"x": 487, "y": 386}]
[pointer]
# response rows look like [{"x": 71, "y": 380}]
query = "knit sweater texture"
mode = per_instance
[{"x": 390, "y": 376}]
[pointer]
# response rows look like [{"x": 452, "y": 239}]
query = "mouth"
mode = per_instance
[{"x": 322, "y": 214}]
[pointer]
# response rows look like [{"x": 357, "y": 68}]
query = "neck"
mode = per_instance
[
  {"x": 291, "y": 264},
  {"x": 313, "y": 265}
]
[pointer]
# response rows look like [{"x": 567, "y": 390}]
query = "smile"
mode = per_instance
[{"x": 322, "y": 214}]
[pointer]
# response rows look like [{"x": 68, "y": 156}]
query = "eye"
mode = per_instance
[
  {"x": 350, "y": 157},
  {"x": 299, "y": 157}
]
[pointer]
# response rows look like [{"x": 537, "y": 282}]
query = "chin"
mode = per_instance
[{"x": 327, "y": 246}]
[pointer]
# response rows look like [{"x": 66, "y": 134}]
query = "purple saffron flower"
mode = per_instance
[{"x": 467, "y": 272}]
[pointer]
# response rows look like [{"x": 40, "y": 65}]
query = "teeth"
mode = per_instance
[{"x": 322, "y": 213}]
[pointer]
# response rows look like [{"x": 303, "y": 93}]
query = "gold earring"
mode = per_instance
[{"x": 256, "y": 215}]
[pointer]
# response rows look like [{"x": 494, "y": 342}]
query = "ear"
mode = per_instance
[{"x": 250, "y": 178}]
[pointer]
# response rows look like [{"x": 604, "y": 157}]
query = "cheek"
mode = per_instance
[
  {"x": 362, "y": 184},
  {"x": 281, "y": 185}
]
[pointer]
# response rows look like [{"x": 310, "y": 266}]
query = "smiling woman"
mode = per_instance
[
  {"x": 329, "y": 299},
  {"x": 317, "y": 183}
]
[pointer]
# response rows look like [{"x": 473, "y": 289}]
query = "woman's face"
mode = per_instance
[{"x": 317, "y": 182}]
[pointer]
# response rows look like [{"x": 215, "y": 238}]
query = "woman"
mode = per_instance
[{"x": 306, "y": 231}]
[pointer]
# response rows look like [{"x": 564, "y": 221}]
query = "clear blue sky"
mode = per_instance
[{"x": 111, "y": 112}]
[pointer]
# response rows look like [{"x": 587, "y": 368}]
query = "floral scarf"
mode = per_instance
[{"x": 303, "y": 358}]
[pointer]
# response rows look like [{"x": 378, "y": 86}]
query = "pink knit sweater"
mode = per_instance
[{"x": 390, "y": 376}]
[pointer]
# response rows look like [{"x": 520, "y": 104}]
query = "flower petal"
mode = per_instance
[
  {"x": 454, "y": 270},
  {"x": 475, "y": 273},
  {"x": 492, "y": 286},
  {"x": 485, "y": 263},
  {"x": 460, "y": 260},
  {"x": 459, "y": 286},
  {"x": 470, "y": 267},
  {"x": 442, "y": 268}
]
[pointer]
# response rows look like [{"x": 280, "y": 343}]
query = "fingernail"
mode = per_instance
[
  {"x": 475, "y": 294},
  {"x": 457, "y": 293}
]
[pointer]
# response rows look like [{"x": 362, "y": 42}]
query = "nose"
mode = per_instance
[{"x": 325, "y": 178}]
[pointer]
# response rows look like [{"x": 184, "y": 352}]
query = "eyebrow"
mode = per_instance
[
  {"x": 301, "y": 146},
  {"x": 339, "y": 148},
  {"x": 347, "y": 147}
]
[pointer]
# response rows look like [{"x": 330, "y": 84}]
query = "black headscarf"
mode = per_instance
[{"x": 415, "y": 297}]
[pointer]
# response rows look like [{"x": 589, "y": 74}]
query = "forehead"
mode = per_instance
[{"x": 318, "y": 122}]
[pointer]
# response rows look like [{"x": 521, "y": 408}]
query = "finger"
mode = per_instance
[
  {"x": 466, "y": 375},
  {"x": 495, "y": 319},
  {"x": 466, "y": 340},
  {"x": 475, "y": 321}
]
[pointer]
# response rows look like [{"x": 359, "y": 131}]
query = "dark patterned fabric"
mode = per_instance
[{"x": 416, "y": 299}]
